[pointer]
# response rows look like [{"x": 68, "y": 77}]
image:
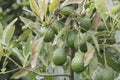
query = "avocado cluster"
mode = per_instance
[{"x": 50, "y": 32}]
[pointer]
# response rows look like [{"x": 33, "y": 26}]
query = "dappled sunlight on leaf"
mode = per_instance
[
  {"x": 68, "y": 2},
  {"x": 89, "y": 54},
  {"x": 36, "y": 47}
]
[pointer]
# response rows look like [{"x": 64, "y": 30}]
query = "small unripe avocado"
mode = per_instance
[
  {"x": 78, "y": 63},
  {"x": 85, "y": 23},
  {"x": 98, "y": 75},
  {"x": 49, "y": 36},
  {"x": 71, "y": 38},
  {"x": 105, "y": 74},
  {"x": 79, "y": 43},
  {"x": 59, "y": 56},
  {"x": 67, "y": 10},
  {"x": 108, "y": 74},
  {"x": 43, "y": 31},
  {"x": 57, "y": 26}
]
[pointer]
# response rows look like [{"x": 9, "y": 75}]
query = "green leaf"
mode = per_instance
[
  {"x": 1, "y": 31},
  {"x": 93, "y": 65},
  {"x": 28, "y": 23},
  {"x": 109, "y": 4},
  {"x": 96, "y": 43},
  {"x": 96, "y": 20},
  {"x": 43, "y": 5},
  {"x": 91, "y": 8},
  {"x": 27, "y": 47},
  {"x": 30, "y": 76},
  {"x": 16, "y": 52},
  {"x": 9, "y": 31},
  {"x": 63, "y": 30},
  {"x": 89, "y": 54},
  {"x": 25, "y": 20},
  {"x": 36, "y": 48},
  {"x": 9, "y": 34},
  {"x": 67, "y": 22},
  {"x": 115, "y": 9},
  {"x": 1, "y": 51},
  {"x": 113, "y": 62},
  {"x": 24, "y": 34},
  {"x": 101, "y": 8},
  {"x": 117, "y": 36},
  {"x": 21, "y": 73},
  {"x": 34, "y": 6},
  {"x": 53, "y": 5},
  {"x": 68, "y": 2}
]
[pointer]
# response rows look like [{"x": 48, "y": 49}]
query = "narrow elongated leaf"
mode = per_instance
[
  {"x": 102, "y": 8},
  {"x": 91, "y": 8},
  {"x": 93, "y": 65},
  {"x": 43, "y": 4},
  {"x": 21, "y": 73},
  {"x": 36, "y": 48},
  {"x": 1, "y": 31},
  {"x": 24, "y": 34},
  {"x": 28, "y": 23},
  {"x": 17, "y": 53},
  {"x": 117, "y": 37},
  {"x": 68, "y": 2},
  {"x": 53, "y": 5},
  {"x": 115, "y": 9},
  {"x": 34, "y": 6},
  {"x": 109, "y": 4},
  {"x": 27, "y": 47},
  {"x": 89, "y": 54},
  {"x": 8, "y": 32},
  {"x": 1, "y": 51},
  {"x": 25, "y": 20},
  {"x": 96, "y": 44},
  {"x": 63, "y": 30},
  {"x": 96, "y": 20}
]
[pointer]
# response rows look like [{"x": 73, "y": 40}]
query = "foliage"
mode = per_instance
[{"x": 86, "y": 30}]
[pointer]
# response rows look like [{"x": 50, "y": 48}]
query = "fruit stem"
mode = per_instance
[
  {"x": 105, "y": 58},
  {"x": 71, "y": 71}
]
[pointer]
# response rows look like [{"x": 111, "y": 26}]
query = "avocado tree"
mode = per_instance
[{"x": 69, "y": 40}]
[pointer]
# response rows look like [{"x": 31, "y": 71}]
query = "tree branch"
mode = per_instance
[{"x": 47, "y": 75}]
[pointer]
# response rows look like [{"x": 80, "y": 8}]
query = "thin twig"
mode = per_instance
[
  {"x": 47, "y": 75},
  {"x": 10, "y": 71}
]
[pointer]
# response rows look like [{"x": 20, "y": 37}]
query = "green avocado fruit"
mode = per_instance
[
  {"x": 80, "y": 43},
  {"x": 108, "y": 73},
  {"x": 105, "y": 74},
  {"x": 85, "y": 23},
  {"x": 78, "y": 63},
  {"x": 67, "y": 10},
  {"x": 43, "y": 31},
  {"x": 59, "y": 56},
  {"x": 49, "y": 36},
  {"x": 57, "y": 26},
  {"x": 98, "y": 75},
  {"x": 71, "y": 38}
]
